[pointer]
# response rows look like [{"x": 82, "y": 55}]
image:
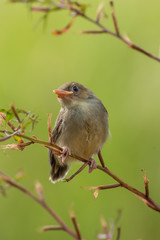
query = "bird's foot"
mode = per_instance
[
  {"x": 93, "y": 165},
  {"x": 65, "y": 153}
]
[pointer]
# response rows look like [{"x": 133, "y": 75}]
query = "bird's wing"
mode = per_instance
[
  {"x": 58, "y": 127},
  {"x": 55, "y": 134}
]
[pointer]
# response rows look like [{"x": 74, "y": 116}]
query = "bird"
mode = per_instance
[{"x": 81, "y": 128}]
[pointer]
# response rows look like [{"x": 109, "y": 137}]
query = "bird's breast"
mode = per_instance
[{"x": 84, "y": 131}]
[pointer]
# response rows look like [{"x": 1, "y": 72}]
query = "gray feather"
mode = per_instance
[{"x": 58, "y": 171}]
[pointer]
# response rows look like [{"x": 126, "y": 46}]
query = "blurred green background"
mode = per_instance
[{"x": 33, "y": 63}]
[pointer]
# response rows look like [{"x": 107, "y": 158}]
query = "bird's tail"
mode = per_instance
[{"x": 58, "y": 172}]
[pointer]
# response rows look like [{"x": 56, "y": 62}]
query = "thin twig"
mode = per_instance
[
  {"x": 76, "y": 173},
  {"x": 5, "y": 138},
  {"x": 48, "y": 228},
  {"x": 106, "y": 31},
  {"x": 42, "y": 203},
  {"x": 105, "y": 226},
  {"x": 98, "y": 188},
  {"x": 93, "y": 31},
  {"x": 99, "y": 12},
  {"x": 114, "y": 19},
  {"x": 15, "y": 112},
  {"x": 41, "y": 9},
  {"x": 104, "y": 187},
  {"x": 146, "y": 183},
  {"x": 74, "y": 221},
  {"x": 101, "y": 159},
  {"x": 70, "y": 5},
  {"x": 49, "y": 128},
  {"x": 118, "y": 233},
  {"x": 3, "y": 116}
]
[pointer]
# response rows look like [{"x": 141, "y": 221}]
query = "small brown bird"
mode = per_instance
[{"x": 81, "y": 128}]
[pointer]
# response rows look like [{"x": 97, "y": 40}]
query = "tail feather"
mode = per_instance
[{"x": 58, "y": 172}]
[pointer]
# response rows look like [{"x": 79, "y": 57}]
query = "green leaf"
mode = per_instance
[
  {"x": 9, "y": 115},
  {"x": 3, "y": 110}
]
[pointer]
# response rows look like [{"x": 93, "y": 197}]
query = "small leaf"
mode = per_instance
[
  {"x": 39, "y": 190},
  {"x": 2, "y": 118},
  {"x": 19, "y": 175},
  {"x": 3, "y": 110},
  {"x": 82, "y": 7},
  {"x": 99, "y": 11},
  {"x": 102, "y": 236},
  {"x": 64, "y": 30},
  {"x": 11, "y": 146},
  {"x": 30, "y": 119},
  {"x": 9, "y": 115},
  {"x": 18, "y": 139},
  {"x": 127, "y": 40},
  {"x": 96, "y": 193}
]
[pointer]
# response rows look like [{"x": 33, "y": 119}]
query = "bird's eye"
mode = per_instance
[{"x": 75, "y": 89}]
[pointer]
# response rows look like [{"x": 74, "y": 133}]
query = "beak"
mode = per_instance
[{"x": 62, "y": 93}]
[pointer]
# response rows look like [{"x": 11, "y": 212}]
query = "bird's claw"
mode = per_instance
[
  {"x": 92, "y": 166},
  {"x": 65, "y": 153}
]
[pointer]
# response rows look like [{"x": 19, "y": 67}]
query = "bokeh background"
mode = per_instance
[{"x": 33, "y": 63}]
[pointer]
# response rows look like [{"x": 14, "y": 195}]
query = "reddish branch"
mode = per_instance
[
  {"x": 74, "y": 221},
  {"x": 118, "y": 233},
  {"x": 114, "y": 34},
  {"x": 49, "y": 228},
  {"x": 75, "y": 7},
  {"x": 114, "y": 19},
  {"x": 57, "y": 149},
  {"x": 15, "y": 113},
  {"x": 96, "y": 189},
  {"x": 62, "y": 225},
  {"x": 146, "y": 183},
  {"x": 144, "y": 197},
  {"x": 42, "y": 202}
]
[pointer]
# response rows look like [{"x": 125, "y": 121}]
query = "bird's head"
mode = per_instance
[{"x": 73, "y": 94}]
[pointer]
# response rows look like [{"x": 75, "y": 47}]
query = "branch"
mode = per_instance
[
  {"x": 42, "y": 202},
  {"x": 108, "y": 230},
  {"x": 49, "y": 228},
  {"x": 57, "y": 149},
  {"x": 118, "y": 233},
  {"x": 77, "y": 9},
  {"x": 15, "y": 113},
  {"x": 96, "y": 189},
  {"x": 146, "y": 199},
  {"x": 116, "y": 35},
  {"x": 74, "y": 221},
  {"x": 114, "y": 19},
  {"x": 49, "y": 128},
  {"x": 3, "y": 118},
  {"x": 146, "y": 183},
  {"x": 76, "y": 173},
  {"x": 62, "y": 226}
]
